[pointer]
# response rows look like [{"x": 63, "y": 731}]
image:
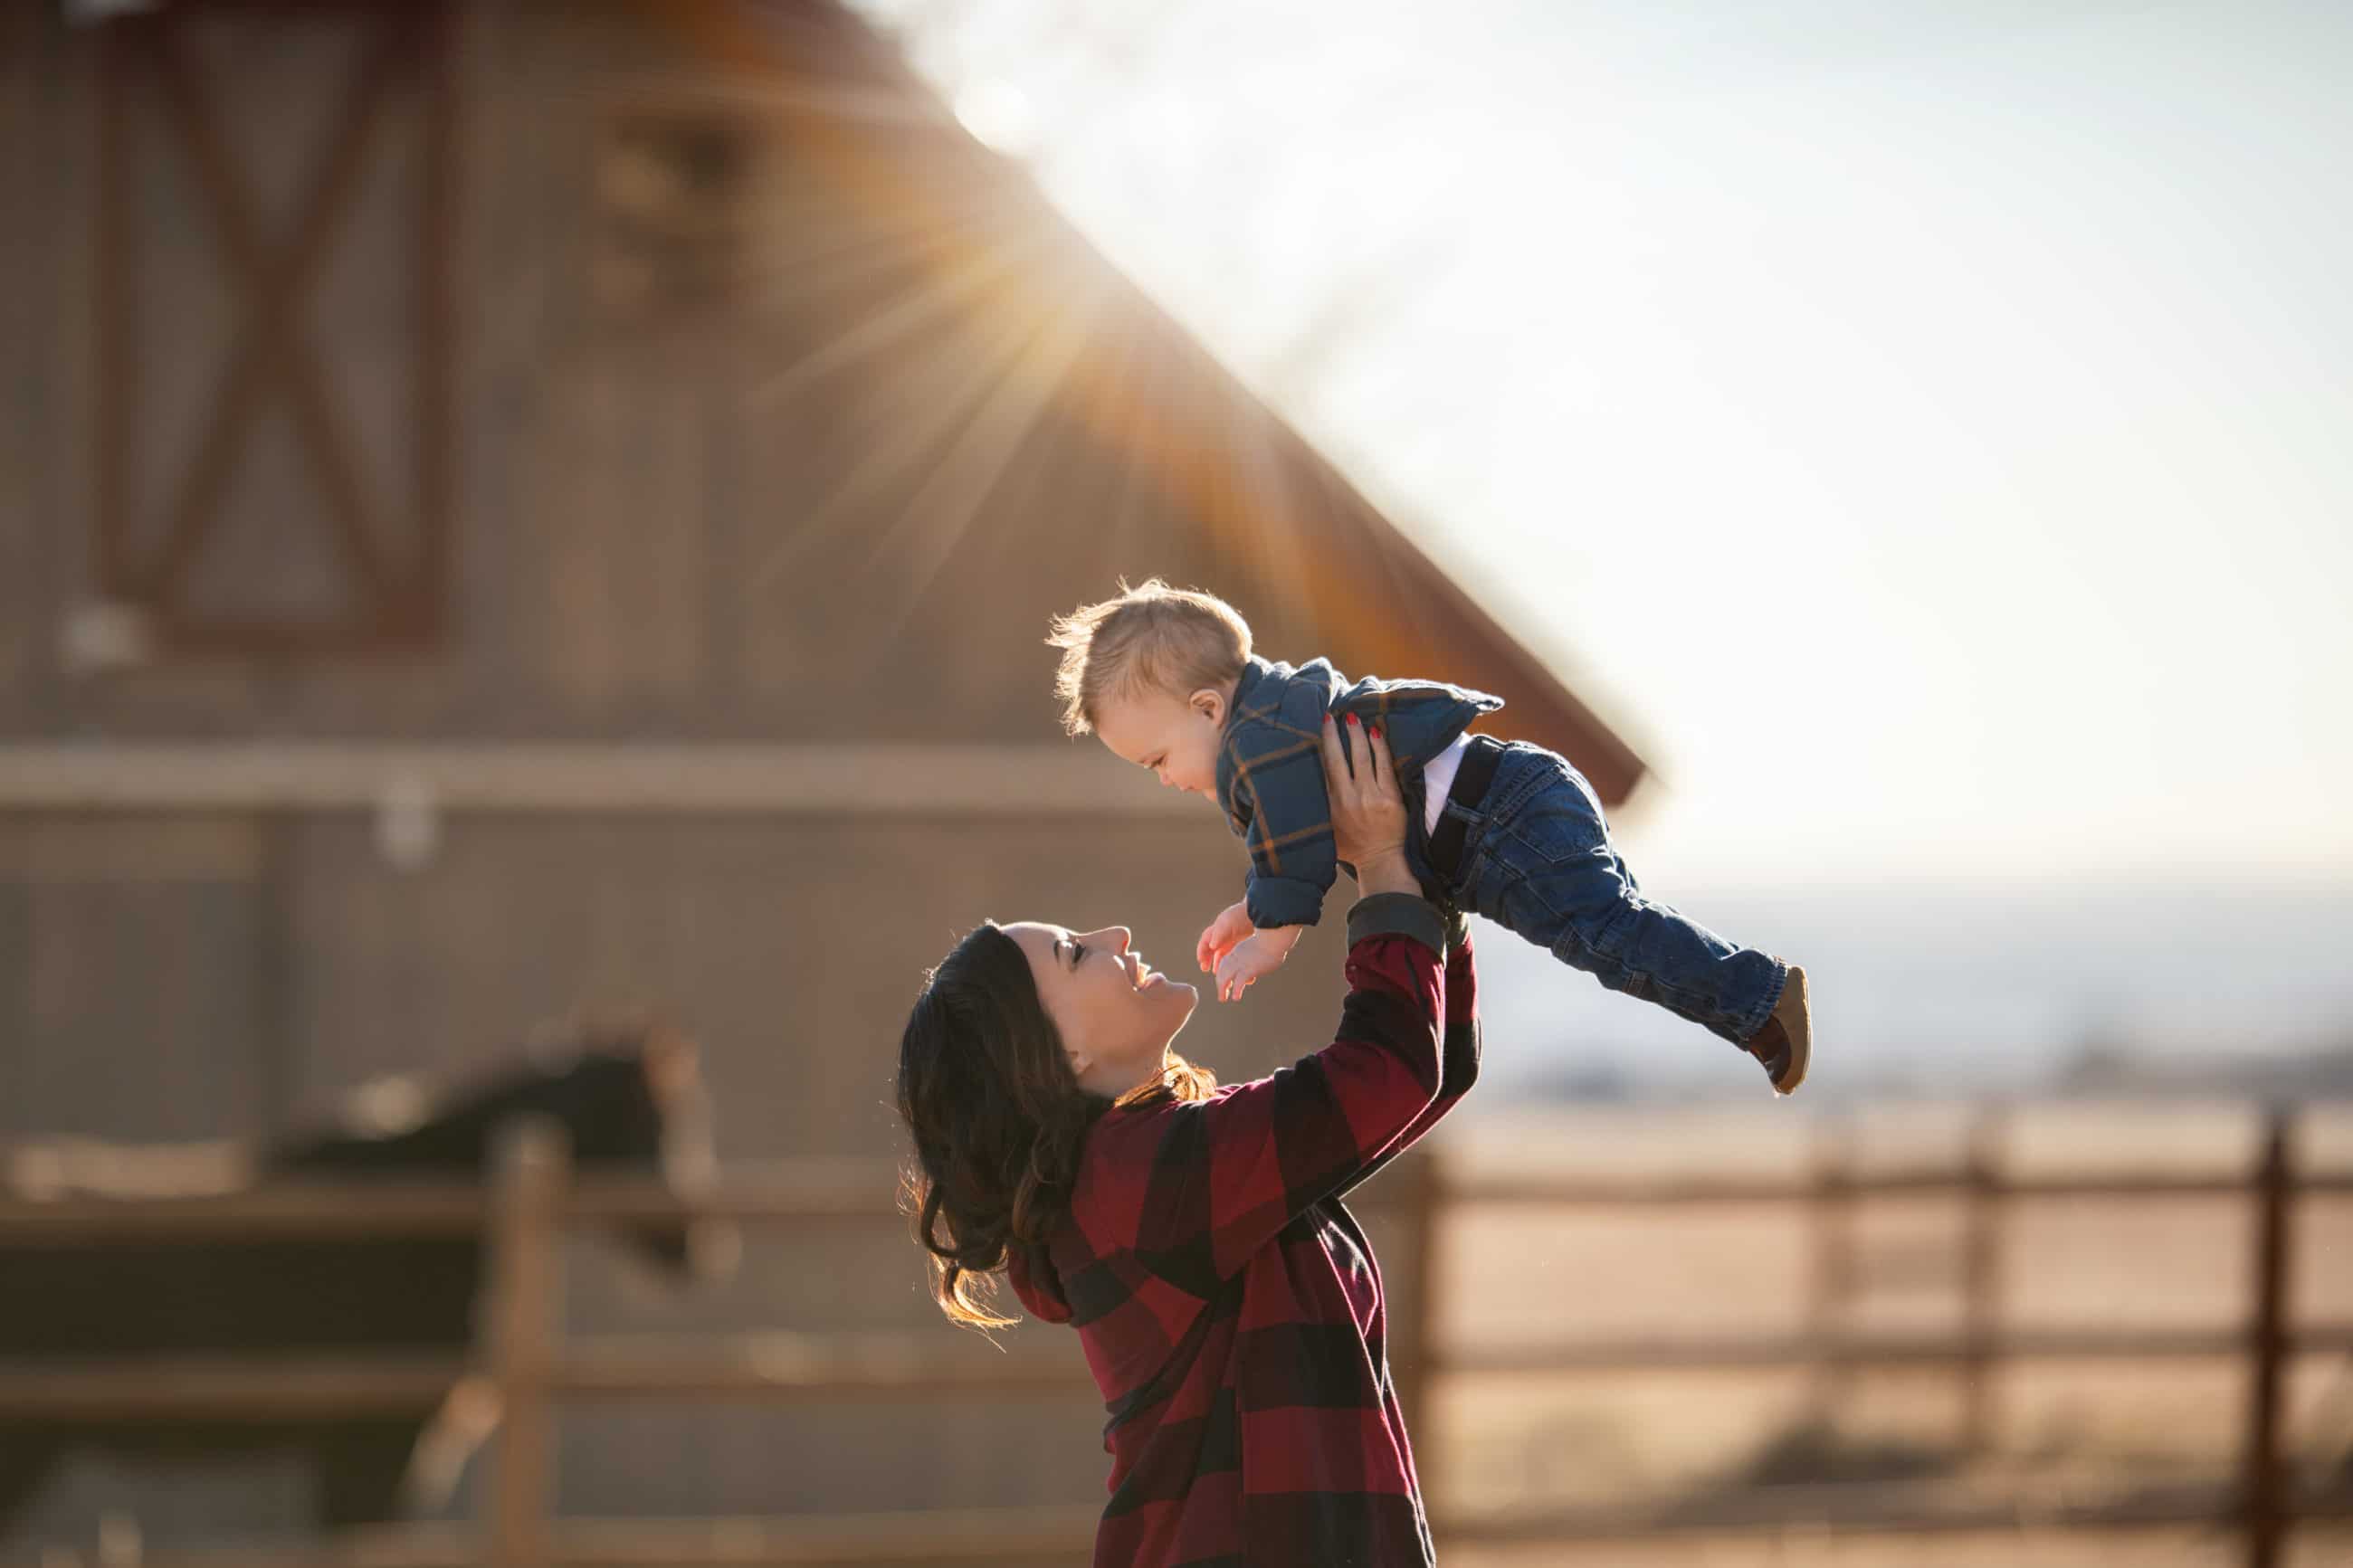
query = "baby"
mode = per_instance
[{"x": 1166, "y": 678}]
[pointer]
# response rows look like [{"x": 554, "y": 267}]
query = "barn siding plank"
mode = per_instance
[
  {"x": 134, "y": 979},
  {"x": 22, "y": 266}
]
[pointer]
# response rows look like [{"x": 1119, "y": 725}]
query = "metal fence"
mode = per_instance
[{"x": 526, "y": 1356}]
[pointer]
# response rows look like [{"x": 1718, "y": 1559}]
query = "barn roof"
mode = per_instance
[{"x": 1283, "y": 520}]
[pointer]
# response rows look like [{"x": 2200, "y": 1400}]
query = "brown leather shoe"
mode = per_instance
[{"x": 1785, "y": 1044}]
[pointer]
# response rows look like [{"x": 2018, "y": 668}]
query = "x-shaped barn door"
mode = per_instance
[{"x": 395, "y": 594}]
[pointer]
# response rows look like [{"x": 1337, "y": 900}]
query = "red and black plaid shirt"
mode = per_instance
[{"x": 1229, "y": 1302}]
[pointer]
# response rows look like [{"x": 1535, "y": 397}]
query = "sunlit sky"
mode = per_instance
[{"x": 1926, "y": 428}]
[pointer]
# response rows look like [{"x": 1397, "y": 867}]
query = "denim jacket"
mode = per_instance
[{"x": 1271, "y": 772}]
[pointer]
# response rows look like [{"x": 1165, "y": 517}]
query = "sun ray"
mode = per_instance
[
  {"x": 886, "y": 106},
  {"x": 930, "y": 299},
  {"x": 953, "y": 498},
  {"x": 961, "y": 373}
]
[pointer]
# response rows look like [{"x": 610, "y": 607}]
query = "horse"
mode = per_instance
[{"x": 629, "y": 1103}]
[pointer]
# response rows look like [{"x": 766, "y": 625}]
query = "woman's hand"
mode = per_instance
[{"x": 1367, "y": 809}]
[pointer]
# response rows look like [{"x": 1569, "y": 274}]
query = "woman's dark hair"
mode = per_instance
[{"x": 998, "y": 1116}]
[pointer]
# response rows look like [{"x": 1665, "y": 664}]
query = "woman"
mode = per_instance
[{"x": 1227, "y": 1302}]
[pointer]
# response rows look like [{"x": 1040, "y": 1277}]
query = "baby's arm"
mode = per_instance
[
  {"x": 1239, "y": 953},
  {"x": 1254, "y": 958},
  {"x": 1231, "y": 928}
]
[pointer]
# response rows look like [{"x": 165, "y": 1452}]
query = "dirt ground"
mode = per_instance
[{"x": 2149, "y": 1549}]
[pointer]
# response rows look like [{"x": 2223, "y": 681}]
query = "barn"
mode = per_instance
[{"x": 515, "y": 512}]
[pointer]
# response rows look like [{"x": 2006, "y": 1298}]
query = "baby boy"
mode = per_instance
[{"x": 1168, "y": 678}]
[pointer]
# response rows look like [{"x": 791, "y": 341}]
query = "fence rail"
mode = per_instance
[
  {"x": 780, "y": 1191},
  {"x": 1022, "y": 1538},
  {"x": 535, "y": 1197}
]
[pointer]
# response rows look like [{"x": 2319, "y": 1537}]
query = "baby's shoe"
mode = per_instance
[{"x": 1785, "y": 1044}]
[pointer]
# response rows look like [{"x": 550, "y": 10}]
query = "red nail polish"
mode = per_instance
[{"x": 1352, "y": 718}]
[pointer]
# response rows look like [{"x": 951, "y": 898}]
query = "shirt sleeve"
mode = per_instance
[
  {"x": 1292, "y": 854},
  {"x": 1227, "y": 1174},
  {"x": 1460, "y": 1065}
]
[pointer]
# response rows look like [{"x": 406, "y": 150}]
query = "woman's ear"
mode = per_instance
[{"x": 1210, "y": 704}]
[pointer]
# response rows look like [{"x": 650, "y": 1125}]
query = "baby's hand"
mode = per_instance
[
  {"x": 1231, "y": 926},
  {"x": 1254, "y": 959}
]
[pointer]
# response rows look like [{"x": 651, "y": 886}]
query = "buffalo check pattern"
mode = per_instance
[
  {"x": 1270, "y": 771},
  {"x": 1227, "y": 1301}
]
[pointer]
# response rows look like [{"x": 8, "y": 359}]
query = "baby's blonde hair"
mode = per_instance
[{"x": 1151, "y": 637}]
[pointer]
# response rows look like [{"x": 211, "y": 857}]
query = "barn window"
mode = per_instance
[{"x": 679, "y": 192}]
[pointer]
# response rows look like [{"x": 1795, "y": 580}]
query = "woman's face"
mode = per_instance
[{"x": 1115, "y": 1013}]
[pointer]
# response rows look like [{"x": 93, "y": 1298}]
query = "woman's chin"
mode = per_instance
[{"x": 1173, "y": 994}]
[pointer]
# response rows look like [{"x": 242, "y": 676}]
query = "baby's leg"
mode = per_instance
[{"x": 1545, "y": 869}]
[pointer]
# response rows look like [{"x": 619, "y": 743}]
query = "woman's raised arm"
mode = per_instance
[
  {"x": 1460, "y": 1054},
  {"x": 1217, "y": 1179}
]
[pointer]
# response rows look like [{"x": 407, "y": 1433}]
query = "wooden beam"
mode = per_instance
[
  {"x": 1849, "y": 1350},
  {"x": 226, "y": 1388},
  {"x": 788, "y": 1191},
  {"x": 889, "y": 1366},
  {"x": 1853, "y": 1507},
  {"x": 2264, "y": 1493},
  {"x": 778, "y": 1368},
  {"x": 419, "y": 610},
  {"x": 116, "y": 300},
  {"x": 851, "y": 1368},
  {"x": 945, "y": 1538},
  {"x": 1598, "y": 1189},
  {"x": 764, "y": 1192},
  {"x": 1021, "y": 1537},
  {"x": 871, "y": 779},
  {"x": 526, "y": 1327}
]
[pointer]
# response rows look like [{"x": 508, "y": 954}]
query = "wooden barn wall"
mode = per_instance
[
  {"x": 26, "y": 303},
  {"x": 280, "y": 963},
  {"x": 792, "y": 947},
  {"x": 841, "y": 509},
  {"x": 842, "y": 505},
  {"x": 131, "y": 978}
]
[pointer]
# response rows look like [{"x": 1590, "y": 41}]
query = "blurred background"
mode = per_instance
[{"x": 525, "y": 537}]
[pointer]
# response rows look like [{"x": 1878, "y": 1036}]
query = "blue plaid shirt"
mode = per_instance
[{"x": 1271, "y": 772}]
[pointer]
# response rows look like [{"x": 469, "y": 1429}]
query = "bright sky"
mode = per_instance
[{"x": 1926, "y": 428}]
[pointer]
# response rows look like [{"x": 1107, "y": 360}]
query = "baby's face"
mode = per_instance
[{"x": 1176, "y": 737}]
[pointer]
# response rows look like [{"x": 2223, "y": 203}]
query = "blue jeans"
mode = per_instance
[{"x": 1537, "y": 860}]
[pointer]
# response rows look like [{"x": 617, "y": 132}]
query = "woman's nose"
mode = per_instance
[{"x": 1118, "y": 936}]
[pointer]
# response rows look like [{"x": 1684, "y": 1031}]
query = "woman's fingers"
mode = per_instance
[
  {"x": 1367, "y": 805},
  {"x": 1383, "y": 765},
  {"x": 1341, "y": 781},
  {"x": 1336, "y": 761}
]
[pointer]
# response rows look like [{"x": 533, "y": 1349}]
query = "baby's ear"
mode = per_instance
[{"x": 1210, "y": 704}]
